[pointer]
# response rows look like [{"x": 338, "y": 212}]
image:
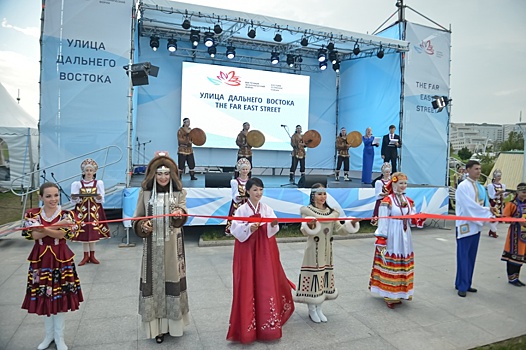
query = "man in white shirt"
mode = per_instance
[{"x": 472, "y": 201}]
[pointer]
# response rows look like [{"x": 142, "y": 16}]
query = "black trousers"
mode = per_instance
[
  {"x": 345, "y": 161},
  {"x": 186, "y": 158},
  {"x": 294, "y": 165},
  {"x": 391, "y": 156}
]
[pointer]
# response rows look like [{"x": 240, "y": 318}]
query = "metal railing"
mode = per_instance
[{"x": 32, "y": 177}]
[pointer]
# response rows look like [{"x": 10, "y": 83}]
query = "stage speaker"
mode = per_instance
[
  {"x": 306, "y": 181},
  {"x": 218, "y": 180}
]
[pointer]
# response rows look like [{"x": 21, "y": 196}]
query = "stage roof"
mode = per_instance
[{"x": 164, "y": 18}]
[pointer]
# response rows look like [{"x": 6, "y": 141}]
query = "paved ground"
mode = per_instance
[{"x": 436, "y": 319}]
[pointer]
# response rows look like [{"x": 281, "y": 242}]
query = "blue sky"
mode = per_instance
[{"x": 488, "y": 67}]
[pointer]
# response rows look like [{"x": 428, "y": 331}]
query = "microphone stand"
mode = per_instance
[
  {"x": 60, "y": 187},
  {"x": 290, "y": 137}
]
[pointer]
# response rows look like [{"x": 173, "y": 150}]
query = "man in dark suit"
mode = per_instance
[{"x": 390, "y": 144}]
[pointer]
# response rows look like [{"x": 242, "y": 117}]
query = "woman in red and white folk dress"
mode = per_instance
[
  {"x": 262, "y": 298},
  {"x": 392, "y": 272},
  {"x": 237, "y": 185},
  {"x": 88, "y": 196},
  {"x": 496, "y": 193},
  {"x": 53, "y": 286}
]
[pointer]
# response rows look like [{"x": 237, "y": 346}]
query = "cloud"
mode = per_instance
[
  {"x": 29, "y": 31},
  {"x": 19, "y": 72}
]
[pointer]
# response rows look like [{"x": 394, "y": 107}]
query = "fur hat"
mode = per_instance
[{"x": 161, "y": 159}]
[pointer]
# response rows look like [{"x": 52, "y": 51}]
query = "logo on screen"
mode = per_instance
[
  {"x": 229, "y": 78},
  {"x": 425, "y": 46}
]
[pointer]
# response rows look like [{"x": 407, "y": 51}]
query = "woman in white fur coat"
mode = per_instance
[{"x": 316, "y": 280}]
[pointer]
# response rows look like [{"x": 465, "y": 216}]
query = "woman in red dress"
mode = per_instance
[
  {"x": 237, "y": 185},
  {"x": 53, "y": 286},
  {"x": 88, "y": 196},
  {"x": 262, "y": 298}
]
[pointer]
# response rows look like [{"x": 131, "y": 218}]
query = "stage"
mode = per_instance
[{"x": 350, "y": 198}]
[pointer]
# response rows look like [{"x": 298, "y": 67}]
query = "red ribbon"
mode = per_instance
[{"x": 293, "y": 220}]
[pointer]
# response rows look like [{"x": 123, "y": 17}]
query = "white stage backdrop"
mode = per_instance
[
  {"x": 425, "y": 132},
  {"x": 220, "y": 99},
  {"x": 84, "y": 88}
]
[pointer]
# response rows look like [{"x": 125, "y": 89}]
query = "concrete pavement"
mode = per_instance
[{"x": 436, "y": 318}]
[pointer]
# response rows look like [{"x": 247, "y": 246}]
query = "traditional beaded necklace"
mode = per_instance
[{"x": 325, "y": 211}]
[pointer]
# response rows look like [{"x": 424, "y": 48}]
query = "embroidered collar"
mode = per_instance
[
  {"x": 256, "y": 209},
  {"x": 52, "y": 217}
]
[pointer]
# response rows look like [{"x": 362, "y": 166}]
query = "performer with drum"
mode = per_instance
[
  {"x": 245, "y": 149},
  {"x": 298, "y": 153},
  {"x": 185, "y": 152},
  {"x": 343, "y": 155}
]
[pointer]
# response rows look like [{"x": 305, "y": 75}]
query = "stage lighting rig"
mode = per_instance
[
  {"x": 336, "y": 66},
  {"x": 230, "y": 52},
  {"x": 356, "y": 50},
  {"x": 330, "y": 46},
  {"x": 277, "y": 37},
  {"x": 274, "y": 57},
  {"x": 212, "y": 50},
  {"x": 194, "y": 38},
  {"x": 440, "y": 102},
  {"x": 209, "y": 39},
  {"x": 380, "y": 53},
  {"x": 290, "y": 60},
  {"x": 154, "y": 43},
  {"x": 139, "y": 72},
  {"x": 251, "y": 33},
  {"x": 323, "y": 65},
  {"x": 322, "y": 55},
  {"x": 217, "y": 28},
  {"x": 172, "y": 45},
  {"x": 304, "y": 41},
  {"x": 333, "y": 56}
]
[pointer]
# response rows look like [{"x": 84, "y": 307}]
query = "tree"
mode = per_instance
[
  {"x": 464, "y": 153},
  {"x": 515, "y": 141}
]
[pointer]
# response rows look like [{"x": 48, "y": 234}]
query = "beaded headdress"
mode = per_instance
[
  {"x": 243, "y": 163},
  {"x": 386, "y": 166},
  {"x": 89, "y": 163},
  {"x": 496, "y": 173}
]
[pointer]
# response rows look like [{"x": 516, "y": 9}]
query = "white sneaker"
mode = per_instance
[
  {"x": 337, "y": 178},
  {"x": 346, "y": 178}
]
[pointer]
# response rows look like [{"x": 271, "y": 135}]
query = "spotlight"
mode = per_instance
[
  {"x": 274, "y": 58},
  {"x": 330, "y": 46},
  {"x": 194, "y": 37},
  {"x": 251, "y": 33},
  {"x": 217, "y": 29},
  {"x": 277, "y": 37},
  {"x": 356, "y": 49},
  {"x": 154, "y": 43},
  {"x": 230, "y": 52},
  {"x": 290, "y": 60},
  {"x": 333, "y": 56},
  {"x": 323, "y": 65},
  {"x": 299, "y": 59},
  {"x": 172, "y": 45},
  {"x": 304, "y": 41},
  {"x": 209, "y": 39},
  {"x": 380, "y": 53},
  {"x": 212, "y": 51},
  {"x": 322, "y": 55},
  {"x": 186, "y": 24},
  {"x": 336, "y": 66},
  {"x": 440, "y": 102}
]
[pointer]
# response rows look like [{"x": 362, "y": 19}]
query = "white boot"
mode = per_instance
[
  {"x": 60, "y": 325},
  {"x": 346, "y": 178},
  {"x": 48, "y": 322},
  {"x": 320, "y": 313},
  {"x": 313, "y": 314}
]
